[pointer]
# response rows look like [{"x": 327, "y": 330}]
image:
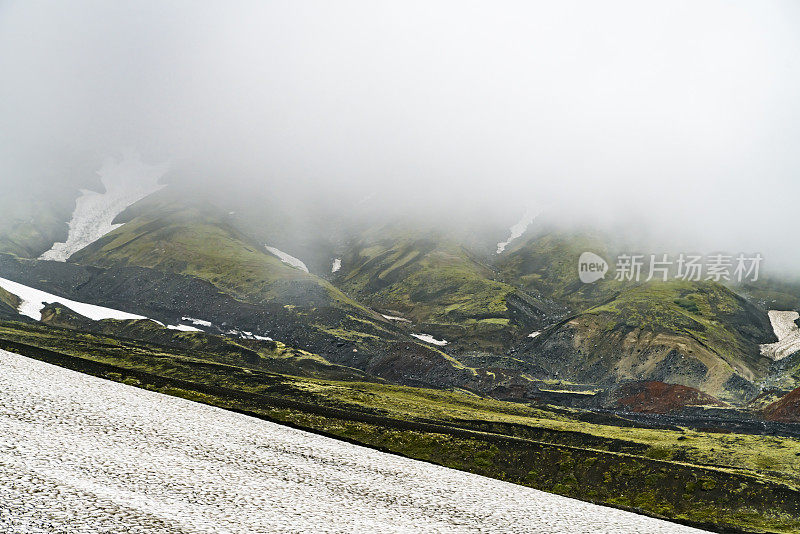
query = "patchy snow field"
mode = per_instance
[
  {"x": 183, "y": 328},
  {"x": 395, "y": 318},
  {"x": 516, "y": 231},
  {"x": 336, "y": 265},
  {"x": 33, "y": 300},
  {"x": 427, "y": 338},
  {"x": 80, "y": 454},
  {"x": 126, "y": 181},
  {"x": 287, "y": 258},
  {"x": 787, "y": 332}
]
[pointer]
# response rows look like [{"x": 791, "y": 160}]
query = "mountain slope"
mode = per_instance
[
  {"x": 698, "y": 334},
  {"x": 439, "y": 286},
  {"x": 195, "y": 239},
  {"x": 546, "y": 262}
]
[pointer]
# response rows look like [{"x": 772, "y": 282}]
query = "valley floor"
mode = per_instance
[{"x": 82, "y": 454}]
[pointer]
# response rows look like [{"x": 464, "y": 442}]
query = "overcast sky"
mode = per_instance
[{"x": 679, "y": 117}]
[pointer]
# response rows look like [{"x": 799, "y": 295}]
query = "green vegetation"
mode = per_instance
[
  {"x": 547, "y": 264},
  {"x": 749, "y": 482},
  {"x": 195, "y": 239},
  {"x": 30, "y": 225},
  {"x": 698, "y": 334},
  {"x": 436, "y": 283},
  {"x": 12, "y": 301}
]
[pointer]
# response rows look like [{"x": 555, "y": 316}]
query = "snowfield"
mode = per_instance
[
  {"x": 395, "y": 318},
  {"x": 33, "y": 300},
  {"x": 126, "y": 181},
  {"x": 427, "y": 338},
  {"x": 516, "y": 231},
  {"x": 787, "y": 332},
  {"x": 80, "y": 454},
  {"x": 287, "y": 258}
]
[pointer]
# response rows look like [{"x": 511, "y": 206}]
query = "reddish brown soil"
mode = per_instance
[
  {"x": 786, "y": 409},
  {"x": 660, "y": 397}
]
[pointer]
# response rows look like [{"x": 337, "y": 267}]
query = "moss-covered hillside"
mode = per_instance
[
  {"x": 698, "y": 334},
  {"x": 440, "y": 286}
]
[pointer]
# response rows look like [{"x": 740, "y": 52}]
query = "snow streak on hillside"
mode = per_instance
[
  {"x": 80, "y": 454},
  {"x": 427, "y": 338},
  {"x": 287, "y": 259},
  {"x": 33, "y": 300},
  {"x": 126, "y": 181},
  {"x": 787, "y": 332},
  {"x": 517, "y": 230}
]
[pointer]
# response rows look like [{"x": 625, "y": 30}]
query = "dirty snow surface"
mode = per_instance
[
  {"x": 126, "y": 181},
  {"x": 81, "y": 454},
  {"x": 787, "y": 332},
  {"x": 287, "y": 258}
]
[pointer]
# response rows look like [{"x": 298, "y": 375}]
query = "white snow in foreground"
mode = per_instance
[
  {"x": 198, "y": 322},
  {"x": 33, "y": 300},
  {"x": 534, "y": 334},
  {"x": 287, "y": 259},
  {"x": 183, "y": 328},
  {"x": 517, "y": 230},
  {"x": 395, "y": 318},
  {"x": 80, "y": 454},
  {"x": 787, "y": 332},
  {"x": 337, "y": 264},
  {"x": 427, "y": 338},
  {"x": 126, "y": 181}
]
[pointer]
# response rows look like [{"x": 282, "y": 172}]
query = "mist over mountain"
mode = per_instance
[{"x": 655, "y": 119}]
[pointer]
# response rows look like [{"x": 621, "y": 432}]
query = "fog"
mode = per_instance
[{"x": 676, "y": 121}]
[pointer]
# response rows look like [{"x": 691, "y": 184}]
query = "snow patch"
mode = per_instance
[
  {"x": 33, "y": 300},
  {"x": 183, "y": 328},
  {"x": 126, "y": 181},
  {"x": 517, "y": 230},
  {"x": 198, "y": 322},
  {"x": 337, "y": 264},
  {"x": 248, "y": 335},
  {"x": 534, "y": 334},
  {"x": 787, "y": 332},
  {"x": 427, "y": 338},
  {"x": 394, "y": 318},
  {"x": 287, "y": 259}
]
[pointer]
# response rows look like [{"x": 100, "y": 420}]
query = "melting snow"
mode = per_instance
[
  {"x": 183, "y": 328},
  {"x": 394, "y": 318},
  {"x": 517, "y": 230},
  {"x": 287, "y": 259},
  {"x": 427, "y": 338},
  {"x": 337, "y": 264},
  {"x": 33, "y": 300},
  {"x": 787, "y": 332},
  {"x": 248, "y": 335},
  {"x": 198, "y": 322},
  {"x": 83, "y": 455},
  {"x": 126, "y": 181}
]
